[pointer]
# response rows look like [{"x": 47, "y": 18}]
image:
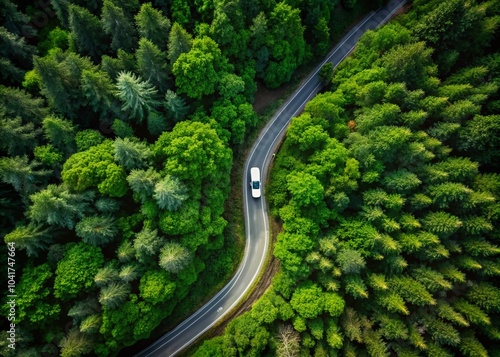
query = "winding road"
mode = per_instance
[{"x": 255, "y": 210}]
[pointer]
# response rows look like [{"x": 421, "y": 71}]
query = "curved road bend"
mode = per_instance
[{"x": 257, "y": 225}]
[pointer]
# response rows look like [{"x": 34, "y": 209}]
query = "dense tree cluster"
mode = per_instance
[
  {"x": 388, "y": 190},
  {"x": 117, "y": 124}
]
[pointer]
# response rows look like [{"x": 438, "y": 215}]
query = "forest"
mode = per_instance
[
  {"x": 387, "y": 188},
  {"x": 119, "y": 121}
]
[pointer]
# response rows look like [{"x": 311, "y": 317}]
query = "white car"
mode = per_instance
[{"x": 255, "y": 181}]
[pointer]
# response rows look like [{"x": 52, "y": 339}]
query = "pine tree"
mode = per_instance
[
  {"x": 137, "y": 96},
  {"x": 119, "y": 27},
  {"x": 60, "y": 74},
  {"x": 147, "y": 244},
  {"x": 152, "y": 63},
  {"x": 18, "y": 103},
  {"x": 99, "y": 91},
  {"x": 21, "y": 174},
  {"x": 169, "y": 193},
  {"x": 16, "y": 138},
  {"x": 87, "y": 32},
  {"x": 96, "y": 230},
  {"x": 174, "y": 257},
  {"x": 157, "y": 123},
  {"x": 15, "y": 47},
  {"x": 179, "y": 42},
  {"x": 175, "y": 105},
  {"x": 152, "y": 25},
  {"x": 129, "y": 273},
  {"x": 14, "y": 20},
  {"x": 83, "y": 308},
  {"x": 60, "y": 133},
  {"x": 124, "y": 62},
  {"x": 55, "y": 205},
  {"x": 106, "y": 275},
  {"x": 91, "y": 324},
  {"x": 143, "y": 182},
  {"x": 114, "y": 294},
  {"x": 125, "y": 252},
  {"x": 131, "y": 154},
  {"x": 32, "y": 238},
  {"x": 75, "y": 344},
  {"x": 61, "y": 7}
]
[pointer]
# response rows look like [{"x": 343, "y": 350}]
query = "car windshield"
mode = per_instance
[{"x": 255, "y": 184}]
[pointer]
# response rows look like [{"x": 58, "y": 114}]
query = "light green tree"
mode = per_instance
[{"x": 138, "y": 97}]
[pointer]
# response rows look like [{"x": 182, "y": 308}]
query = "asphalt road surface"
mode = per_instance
[{"x": 257, "y": 225}]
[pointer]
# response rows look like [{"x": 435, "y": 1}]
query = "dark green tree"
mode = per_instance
[
  {"x": 151, "y": 24},
  {"x": 87, "y": 32},
  {"x": 117, "y": 25},
  {"x": 152, "y": 63},
  {"x": 96, "y": 230},
  {"x": 179, "y": 42}
]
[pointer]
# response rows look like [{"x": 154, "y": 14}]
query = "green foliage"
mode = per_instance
[
  {"x": 87, "y": 138},
  {"x": 75, "y": 272},
  {"x": 113, "y": 295},
  {"x": 131, "y": 154},
  {"x": 95, "y": 167},
  {"x": 152, "y": 64},
  {"x": 60, "y": 133},
  {"x": 169, "y": 193},
  {"x": 56, "y": 205},
  {"x": 307, "y": 300},
  {"x": 116, "y": 24},
  {"x": 34, "y": 304},
  {"x": 179, "y": 42},
  {"x": 32, "y": 238},
  {"x": 151, "y": 24},
  {"x": 198, "y": 72},
  {"x": 96, "y": 230},
  {"x": 16, "y": 138},
  {"x": 86, "y": 31},
  {"x": 174, "y": 257},
  {"x": 156, "y": 287},
  {"x": 137, "y": 96}
]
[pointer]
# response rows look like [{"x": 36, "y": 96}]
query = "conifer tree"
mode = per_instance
[
  {"x": 174, "y": 257},
  {"x": 152, "y": 63},
  {"x": 147, "y": 244},
  {"x": 32, "y": 238},
  {"x": 175, "y": 105},
  {"x": 16, "y": 138},
  {"x": 137, "y": 96},
  {"x": 179, "y": 42},
  {"x": 143, "y": 182},
  {"x": 131, "y": 154},
  {"x": 152, "y": 25},
  {"x": 114, "y": 294},
  {"x": 96, "y": 230},
  {"x": 60, "y": 133},
  {"x": 99, "y": 91},
  {"x": 22, "y": 174},
  {"x": 106, "y": 275},
  {"x": 18, "y": 103},
  {"x": 86, "y": 32},
  {"x": 117, "y": 25},
  {"x": 55, "y": 205},
  {"x": 169, "y": 193},
  {"x": 75, "y": 343}
]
